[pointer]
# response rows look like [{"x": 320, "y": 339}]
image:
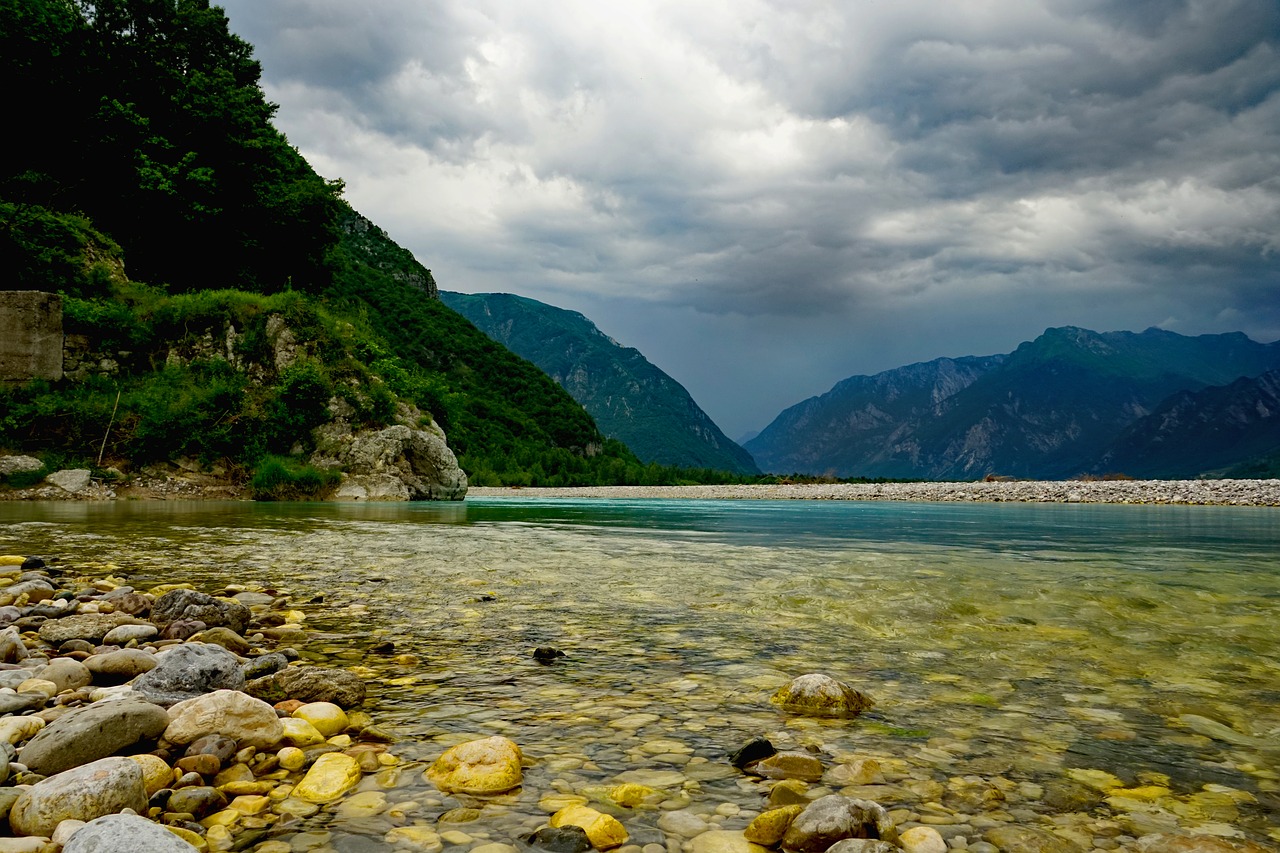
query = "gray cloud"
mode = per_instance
[{"x": 827, "y": 186}]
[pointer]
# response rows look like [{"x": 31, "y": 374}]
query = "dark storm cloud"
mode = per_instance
[{"x": 852, "y": 165}]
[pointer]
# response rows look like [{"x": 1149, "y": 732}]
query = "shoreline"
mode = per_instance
[{"x": 1170, "y": 492}]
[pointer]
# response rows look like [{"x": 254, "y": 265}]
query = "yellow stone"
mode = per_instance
[
  {"x": 327, "y": 717},
  {"x": 299, "y": 732},
  {"x": 195, "y": 839},
  {"x": 12, "y": 559},
  {"x": 38, "y": 685},
  {"x": 340, "y": 741},
  {"x": 156, "y": 773},
  {"x": 603, "y": 831},
  {"x": 234, "y": 773},
  {"x": 236, "y": 789},
  {"x": 291, "y": 758},
  {"x": 160, "y": 590},
  {"x": 274, "y": 847},
  {"x": 768, "y": 827},
  {"x": 18, "y": 729},
  {"x": 1145, "y": 794},
  {"x": 723, "y": 841},
  {"x": 363, "y": 804},
  {"x": 632, "y": 794},
  {"x": 386, "y": 759},
  {"x": 330, "y": 777},
  {"x": 226, "y": 817},
  {"x": 219, "y": 838},
  {"x": 487, "y": 766},
  {"x": 422, "y": 839},
  {"x": 250, "y": 804},
  {"x": 554, "y": 802},
  {"x": 1100, "y": 780}
]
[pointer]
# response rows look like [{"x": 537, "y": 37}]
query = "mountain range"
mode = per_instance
[
  {"x": 1071, "y": 402},
  {"x": 630, "y": 398}
]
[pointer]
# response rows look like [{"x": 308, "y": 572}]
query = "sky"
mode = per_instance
[{"x": 766, "y": 197}]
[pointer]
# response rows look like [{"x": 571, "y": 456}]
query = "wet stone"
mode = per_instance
[{"x": 561, "y": 839}]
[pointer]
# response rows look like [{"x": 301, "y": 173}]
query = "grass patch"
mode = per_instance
[{"x": 279, "y": 478}]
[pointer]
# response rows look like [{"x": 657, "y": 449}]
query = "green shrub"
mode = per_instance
[{"x": 279, "y": 478}]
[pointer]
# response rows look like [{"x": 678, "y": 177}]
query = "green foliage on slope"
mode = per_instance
[{"x": 631, "y": 399}]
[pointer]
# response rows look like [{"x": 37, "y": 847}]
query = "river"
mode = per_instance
[{"x": 1016, "y": 652}]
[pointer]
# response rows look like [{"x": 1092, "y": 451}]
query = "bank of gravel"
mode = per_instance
[{"x": 1195, "y": 492}]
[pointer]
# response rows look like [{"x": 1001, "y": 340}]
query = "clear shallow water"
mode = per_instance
[{"x": 1006, "y": 645}]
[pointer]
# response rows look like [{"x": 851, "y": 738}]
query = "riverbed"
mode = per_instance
[{"x": 1101, "y": 671}]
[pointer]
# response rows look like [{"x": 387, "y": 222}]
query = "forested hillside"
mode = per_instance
[
  {"x": 631, "y": 398},
  {"x": 149, "y": 187}
]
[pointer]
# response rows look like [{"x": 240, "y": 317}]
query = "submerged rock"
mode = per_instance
[
  {"x": 833, "y": 818},
  {"x": 487, "y": 766},
  {"x": 821, "y": 695}
]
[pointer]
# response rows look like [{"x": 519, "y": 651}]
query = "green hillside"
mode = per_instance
[
  {"x": 147, "y": 146},
  {"x": 630, "y": 398}
]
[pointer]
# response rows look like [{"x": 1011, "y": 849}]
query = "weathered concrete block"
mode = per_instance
[{"x": 30, "y": 336}]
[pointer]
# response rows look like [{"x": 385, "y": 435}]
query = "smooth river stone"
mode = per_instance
[
  {"x": 328, "y": 718},
  {"x": 67, "y": 674},
  {"x": 833, "y": 818},
  {"x": 96, "y": 731},
  {"x": 329, "y": 778},
  {"x": 102, "y": 787},
  {"x": 821, "y": 695},
  {"x": 922, "y": 839},
  {"x": 300, "y": 733},
  {"x": 248, "y": 721},
  {"x": 120, "y": 666},
  {"x": 1024, "y": 839},
  {"x": 1171, "y": 843},
  {"x": 768, "y": 827},
  {"x": 123, "y": 634},
  {"x": 88, "y": 626},
  {"x": 789, "y": 765},
  {"x": 724, "y": 841},
  {"x": 123, "y": 833},
  {"x": 487, "y": 766},
  {"x": 190, "y": 670},
  {"x": 603, "y": 831}
]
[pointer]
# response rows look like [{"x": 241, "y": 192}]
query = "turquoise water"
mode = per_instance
[{"x": 1009, "y": 647}]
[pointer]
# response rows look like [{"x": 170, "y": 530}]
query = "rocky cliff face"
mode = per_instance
[
  {"x": 1050, "y": 409},
  {"x": 399, "y": 463},
  {"x": 1202, "y": 432},
  {"x": 630, "y": 398}
]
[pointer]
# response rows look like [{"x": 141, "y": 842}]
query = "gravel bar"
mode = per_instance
[{"x": 1200, "y": 492}]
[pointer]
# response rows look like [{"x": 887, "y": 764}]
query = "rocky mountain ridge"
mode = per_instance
[{"x": 1050, "y": 409}]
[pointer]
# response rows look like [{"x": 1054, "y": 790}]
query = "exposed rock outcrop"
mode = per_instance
[{"x": 398, "y": 463}]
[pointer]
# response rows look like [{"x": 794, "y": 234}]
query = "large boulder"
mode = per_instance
[
  {"x": 822, "y": 696},
  {"x": 187, "y": 604},
  {"x": 102, "y": 787},
  {"x": 248, "y": 721},
  {"x": 190, "y": 670},
  {"x": 834, "y": 818},
  {"x": 395, "y": 463},
  {"x": 487, "y": 766},
  {"x": 95, "y": 731},
  {"x": 309, "y": 684},
  {"x": 125, "y": 833}
]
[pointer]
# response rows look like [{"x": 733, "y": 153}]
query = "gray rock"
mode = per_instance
[
  {"x": 8, "y": 796},
  {"x": 125, "y": 833},
  {"x": 95, "y": 731},
  {"x": 198, "y": 800},
  {"x": 19, "y": 465},
  {"x": 35, "y": 590},
  {"x": 73, "y": 480},
  {"x": 120, "y": 666},
  {"x": 821, "y": 695},
  {"x": 396, "y": 463},
  {"x": 188, "y": 604},
  {"x": 11, "y": 678},
  {"x": 312, "y": 684},
  {"x": 12, "y": 649},
  {"x": 102, "y": 787},
  {"x": 187, "y": 671},
  {"x": 86, "y": 626},
  {"x": 16, "y": 703},
  {"x": 834, "y": 818},
  {"x": 265, "y": 665}
]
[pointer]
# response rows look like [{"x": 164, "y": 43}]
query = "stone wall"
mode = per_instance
[{"x": 30, "y": 336}]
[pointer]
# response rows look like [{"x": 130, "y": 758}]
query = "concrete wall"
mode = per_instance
[{"x": 30, "y": 336}]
